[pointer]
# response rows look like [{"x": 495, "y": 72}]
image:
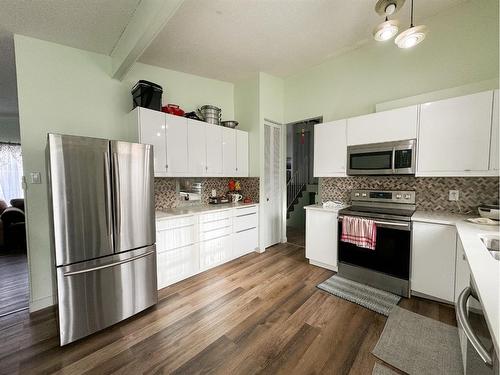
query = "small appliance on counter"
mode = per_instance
[
  {"x": 218, "y": 200},
  {"x": 147, "y": 95}
]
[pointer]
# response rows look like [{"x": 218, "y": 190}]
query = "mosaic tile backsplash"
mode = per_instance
[
  {"x": 431, "y": 192},
  {"x": 167, "y": 197}
]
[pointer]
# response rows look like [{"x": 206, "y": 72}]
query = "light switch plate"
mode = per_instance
[
  {"x": 35, "y": 178},
  {"x": 453, "y": 195}
]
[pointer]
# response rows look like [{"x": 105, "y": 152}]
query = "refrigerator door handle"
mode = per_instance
[
  {"x": 92, "y": 269},
  {"x": 116, "y": 194},
  {"x": 107, "y": 199}
]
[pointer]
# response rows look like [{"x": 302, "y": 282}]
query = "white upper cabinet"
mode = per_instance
[
  {"x": 189, "y": 148},
  {"x": 394, "y": 125},
  {"x": 454, "y": 136},
  {"x": 229, "y": 152},
  {"x": 330, "y": 149},
  {"x": 148, "y": 127},
  {"x": 177, "y": 145},
  {"x": 214, "y": 150},
  {"x": 494, "y": 154},
  {"x": 241, "y": 153},
  {"x": 197, "y": 154}
]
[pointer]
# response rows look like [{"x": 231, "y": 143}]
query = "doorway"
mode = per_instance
[
  {"x": 14, "y": 285},
  {"x": 301, "y": 185}
]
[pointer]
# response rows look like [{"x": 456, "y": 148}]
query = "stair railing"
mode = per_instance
[{"x": 296, "y": 184}]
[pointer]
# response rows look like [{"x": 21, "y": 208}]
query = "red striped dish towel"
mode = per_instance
[{"x": 359, "y": 231}]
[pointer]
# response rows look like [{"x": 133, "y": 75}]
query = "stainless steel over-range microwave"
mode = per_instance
[{"x": 382, "y": 158}]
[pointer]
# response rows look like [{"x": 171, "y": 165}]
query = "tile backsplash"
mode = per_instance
[
  {"x": 431, "y": 192},
  {"x": 166, "y": 195}
]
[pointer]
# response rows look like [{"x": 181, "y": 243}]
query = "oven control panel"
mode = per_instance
[{"x": 407, "y": 197}]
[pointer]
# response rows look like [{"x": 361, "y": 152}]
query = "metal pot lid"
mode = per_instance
[{"x": 207, "y": 106}]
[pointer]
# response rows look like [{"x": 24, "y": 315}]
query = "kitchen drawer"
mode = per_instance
[
  {"x": 215, "y": 251},
  {"x": 213, "y": 225},
  {"x": 177, "y": 264},
  {"x": 175, "y": 222},
  {"x": 168, "y": 239},
  {"x": 246, "y": 221},
  {"x": 245, "y": 210},
  {"x": 245, "y": 242},
  {"x": 215, "y": 216},
  {"x": 210, "y": 234}
]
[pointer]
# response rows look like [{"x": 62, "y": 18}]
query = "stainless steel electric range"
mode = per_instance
[{"x": 388, "y": 266}]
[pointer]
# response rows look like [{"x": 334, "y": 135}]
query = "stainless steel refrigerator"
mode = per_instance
[{"x": 101, "y": 197}]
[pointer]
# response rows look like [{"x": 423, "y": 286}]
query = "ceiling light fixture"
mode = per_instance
[
  {"x": 411, "y": 36},
  {"x": 389, "y": 28},
  {"x": 386, "y": 30}
]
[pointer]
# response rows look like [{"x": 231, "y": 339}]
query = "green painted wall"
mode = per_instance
[
  {"x": 461, "y": 48},
  {"x": 246, "y": 108},
  {"x": 187, "y": 90},
  {"x": 66, "y": 90},
  {"x": 9, "y": 129}
]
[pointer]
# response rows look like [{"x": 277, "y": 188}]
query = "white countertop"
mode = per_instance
[
  {"x": 485, "y": 270},
  {"x": 444, "y": 218},
  {"x": 196, "y": 209},
  {"x": 319, "y": 206}
]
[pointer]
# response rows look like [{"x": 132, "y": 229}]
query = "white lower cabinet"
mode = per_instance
[
  {"x": 462, "y": 272},
  {"x": 191, "y": 244},
  {"x": 246, "y": 230},
  {"x": 215, "y": 251},
  {"x": 177, "y": 253},
  {"x": 321, "y": 238},
  {"x": 176, "y": 264},
  {"x": 433, "y": 260}
]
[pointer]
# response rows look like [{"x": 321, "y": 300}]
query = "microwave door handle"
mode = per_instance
[
  {"x": 464, "y": 322},
  {"x": 393, "y": 159}
]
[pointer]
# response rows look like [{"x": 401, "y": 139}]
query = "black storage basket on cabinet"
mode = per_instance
[{"x": 147, "y": 94}]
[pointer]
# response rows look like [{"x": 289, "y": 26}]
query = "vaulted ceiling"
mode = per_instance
[{"x": 221, "y": 39}]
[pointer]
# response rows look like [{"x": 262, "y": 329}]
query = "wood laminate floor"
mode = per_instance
[
  {"x": 14, "y": 292},
  {"x": 261, "y": 313},
  {"x": 296, "y": 236}
]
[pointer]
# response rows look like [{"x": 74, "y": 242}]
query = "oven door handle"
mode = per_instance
[
  {"x": 464, "y": 322},
  {"x": 378, "y": 222}
]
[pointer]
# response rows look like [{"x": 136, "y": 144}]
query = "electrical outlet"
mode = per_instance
[
  {"x": 453, "y": 195},
  {"x": 35, "y": 178}
]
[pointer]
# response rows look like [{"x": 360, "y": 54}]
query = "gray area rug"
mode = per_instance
[
  {"x": 419, "y": 345},
  {"x": 380, "y": 369},
  {"x": 372, "y": 298}
]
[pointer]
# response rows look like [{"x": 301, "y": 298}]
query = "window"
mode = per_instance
[{"x": 11, "y": 172}]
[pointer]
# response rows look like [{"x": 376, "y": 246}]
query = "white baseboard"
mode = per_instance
[
  {"x": 323, "y": 265},
  {"x": 42, "y": 303}
]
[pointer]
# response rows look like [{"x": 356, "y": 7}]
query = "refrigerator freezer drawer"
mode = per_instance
[{"x": 97, "y": 294}]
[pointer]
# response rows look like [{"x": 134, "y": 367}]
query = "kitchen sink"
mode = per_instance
[{"x": 492, "y": 243}]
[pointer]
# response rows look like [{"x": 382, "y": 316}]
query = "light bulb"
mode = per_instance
[
  {"x": 411, "y": 37},
  {"x": 386, "y": 30}
]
